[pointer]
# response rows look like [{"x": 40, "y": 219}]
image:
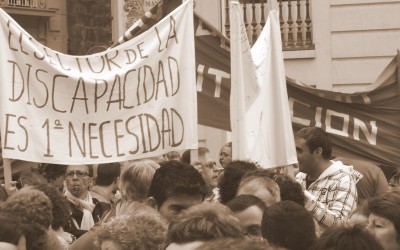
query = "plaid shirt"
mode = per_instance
[{"x": 333, "y": 196}]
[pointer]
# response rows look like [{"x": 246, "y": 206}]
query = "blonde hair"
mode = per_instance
[
  {"x": 136, "y": 179},
  {"x": 143, "y": 230}
]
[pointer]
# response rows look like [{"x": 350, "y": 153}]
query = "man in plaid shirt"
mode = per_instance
[{"x": 329, "y": 186}]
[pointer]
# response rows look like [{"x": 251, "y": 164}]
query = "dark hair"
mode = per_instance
[
  {"x": 60, "y": 205},
  {"x": 201, "y": 151},
  {"x": 394, "y": 181},
  {"x": 290, "y": 189},
  {"x": 352, "y": 238},
  {"x": 204, "y": 222},
  {"x": 33, "y": 209},
  {"x": 316, "y": 138},
  {"x": 107, "y": 173},
  {"x": 30, "y": 178},
  {"x": 230, "y": 178},
  {"x": 10, "y": 230},
  {"x": 387, "y": 206},
  {"x": 176, "y": 178},
  {"x": 289, "y": 225},
  {"x": 185, "y": 157},
  {"x": 3, "y": 194},
  {"x": 30, "y": 206},
  {"x": 242, "y": 202}
]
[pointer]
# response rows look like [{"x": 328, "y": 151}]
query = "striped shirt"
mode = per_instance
[{"x": 333, "y": 196}]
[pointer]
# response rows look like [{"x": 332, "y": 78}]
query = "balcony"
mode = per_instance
[
  {"x": 23, "y": 3},
  {"x": 294, "y": 15},
  {"x": 43, "y": 8}
]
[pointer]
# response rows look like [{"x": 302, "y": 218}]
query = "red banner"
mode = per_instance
[{"x": 363, "y": 125}]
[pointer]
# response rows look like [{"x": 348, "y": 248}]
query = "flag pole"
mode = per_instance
[{"x": 7, "y": 173}]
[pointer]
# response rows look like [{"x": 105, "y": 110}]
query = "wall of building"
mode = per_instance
[
  {"x": 211, "y": 11},
  {"x": 45, "y": 20},
  {"x": 89, "y": 26},
  {"x": 354, "y": 41},
  {"x": 362, "y": 47}
]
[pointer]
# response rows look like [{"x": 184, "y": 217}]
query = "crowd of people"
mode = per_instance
[{"x": 175, "y": 202}]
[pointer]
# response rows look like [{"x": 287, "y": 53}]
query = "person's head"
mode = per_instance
[
  {"x": 384, "y": 218},
  {"x": 290, "y": 189},
  {"x": 203, "y": 222},
  {"x": 313, "y": 145},
  {"x": 60, "y": 207},
  {"x": 234, "y": 244},
  {"x": 258, "y": 183},
  {"x": 78, "y": 179},
  {"x": 287, "y": 224},
  {"x": 30, "y": 178},
  {"x": 347, "y": 238},
  {"x": 53, "y": 174},
  {"x": 128, "y": 207},
  {"x": 107, "y": 174},
  {"x": 230, "y": 178},
  {"x": 11, "y": 231},
  {"x": 185, "y": 157},
  {"x": 176, "y": 187},
  {"x": 136, "y": 231},
  {"x": 225, "y": 155},
  {"x": 32, "y": 208},
  {"x": 207, "y": 167},
  {"x": 136, "y": 178},
  {"x": 249, "y": 210},
  {"x": 172, "y": 155},
  {"x": 394, "y": 181}
]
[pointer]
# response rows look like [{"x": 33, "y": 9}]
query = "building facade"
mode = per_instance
[
  {"x": 45, "y": 20},
  {"x": 352, "y": 40}
]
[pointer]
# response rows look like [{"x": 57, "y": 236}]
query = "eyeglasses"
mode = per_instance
[{"x": 79, "y": 174}]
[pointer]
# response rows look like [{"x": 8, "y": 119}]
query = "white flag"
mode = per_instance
[
  {"x": 269, "y": 128},
  {"x": 244, "y": 86}
]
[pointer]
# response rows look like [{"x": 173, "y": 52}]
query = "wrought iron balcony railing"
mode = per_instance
[{"x": 23, "y": 3}]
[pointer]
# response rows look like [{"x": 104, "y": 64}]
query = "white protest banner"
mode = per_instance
[
  {"x": 244, "y": 85},
  {"x": 133, "y": 101},
  {"x": 269, "y": 127}
]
